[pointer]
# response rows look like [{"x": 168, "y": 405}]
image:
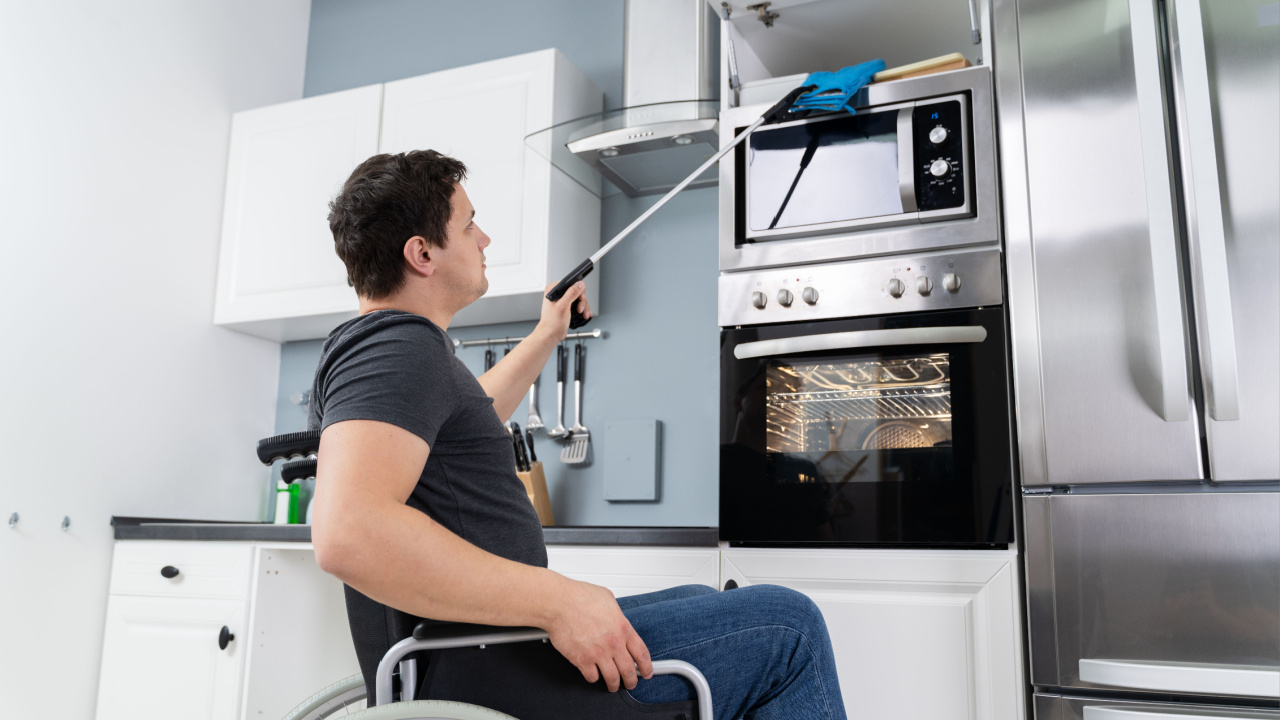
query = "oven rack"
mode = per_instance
[{"x": 882, "y": 404}]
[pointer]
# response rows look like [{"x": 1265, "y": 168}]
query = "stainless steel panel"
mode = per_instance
[
  {"x": 1243, "y": 57},
  {"x": 1099, "y": 348},
  {"x": 984, "y": 229},
  {"x": 1191, "y": 578},
  {"x": 670, "y": 51},
  {"x": 860, "y": 287},
  {"x": 1024, "y": 331},
  {"x": 1041, "y": 623},
  {"x": 1061, "y": 707}
]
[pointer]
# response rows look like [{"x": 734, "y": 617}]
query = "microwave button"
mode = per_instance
[
  {"x": 785, "y": 298},
  {"x": 759, "y": 300},
  {"x": 940, "y": 168},
  {"x": 951, "y": 282},
  {"x": 924, "y": 285},
  {"x": 810, "y": 296},
  {"x": 937, "y": 135},
  {"x": 895, "y": 287}
]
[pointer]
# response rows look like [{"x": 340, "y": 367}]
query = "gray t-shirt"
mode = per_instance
[{"x": 400, "y": 368}]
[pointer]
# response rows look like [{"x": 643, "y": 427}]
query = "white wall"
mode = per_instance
[{"x": 117, "y": 394}]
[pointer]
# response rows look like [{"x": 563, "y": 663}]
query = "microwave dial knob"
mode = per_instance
[
  {"x": 924, "y": 285},
  {"x": 896, "y": 288},
  {"x": 810, "y": 296},
  {"x": 785, "y": 297},
  {"x": 937, "y": 135},
  {"x": 951, "y": 282},
  {"x": 759, "y": 300},
  {"x": 940, "y": 168}
]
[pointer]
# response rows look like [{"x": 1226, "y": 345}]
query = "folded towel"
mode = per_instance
[{"x": 835, "y": 90}]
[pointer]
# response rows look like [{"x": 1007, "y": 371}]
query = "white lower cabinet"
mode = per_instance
[
  {"x": 161, "y": 659},
  {"x": 285, "y": 626},
  {"x": 918, "y": 635},
  {"x": 634, "y": 570}
]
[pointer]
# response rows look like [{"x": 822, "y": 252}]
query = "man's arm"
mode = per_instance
[
  {"x": 364, "y": 534},
  {"x": 509, "y": 380}
]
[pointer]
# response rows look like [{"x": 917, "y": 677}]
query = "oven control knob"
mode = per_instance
[
  {"x": 924, "y": 285},
  {"x": 937, "y": 135},
  {"x": 759, "y": 300},
  {"x": 810, "y": 296},
  {"x": 951, "y": 282},
  {"x": 940, "y": 168},
  {"x": 896, "y": 288},
  {"x": 785, "y": 297}
]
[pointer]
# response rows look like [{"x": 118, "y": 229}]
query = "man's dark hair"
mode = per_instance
[{"x": 387, "y": 200}]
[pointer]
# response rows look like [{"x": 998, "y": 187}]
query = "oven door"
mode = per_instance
[{"x": 886, "y": 431}]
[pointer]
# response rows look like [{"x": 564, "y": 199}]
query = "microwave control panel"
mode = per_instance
[{"x": 939, "y": 155}]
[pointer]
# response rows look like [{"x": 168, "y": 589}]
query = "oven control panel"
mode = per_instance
[
  {"x": 880, "y": 286},
  {"x": 939, "y": 152}
]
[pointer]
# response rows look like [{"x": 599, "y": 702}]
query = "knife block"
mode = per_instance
[{"x": 535, "y": 486}]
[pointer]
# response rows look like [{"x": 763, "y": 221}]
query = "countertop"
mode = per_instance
[{"x": 136, "y": 528}]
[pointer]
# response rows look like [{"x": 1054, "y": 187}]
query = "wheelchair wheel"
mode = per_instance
[
  {"x": 429, "y": 710},
  {"x": 334, "y": 701}
]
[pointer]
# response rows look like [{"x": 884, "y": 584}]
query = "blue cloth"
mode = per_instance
[
  {"x": 764, "y": 650},
  {"x": 835, "y": 90}
]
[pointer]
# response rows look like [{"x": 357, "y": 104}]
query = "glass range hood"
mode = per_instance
[{"x": 640, "y": 150}]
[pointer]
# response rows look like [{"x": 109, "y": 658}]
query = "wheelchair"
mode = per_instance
[{"x": 534, "y": 666}]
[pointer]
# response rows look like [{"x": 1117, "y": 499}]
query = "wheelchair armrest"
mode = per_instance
[{"x": 442, "y": 630}]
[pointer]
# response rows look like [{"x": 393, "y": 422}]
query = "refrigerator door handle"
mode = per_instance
[
  {"x": 1162, "y": 234},
  {"x": 1208, "y": 679},
  {"x": 1101, "y": 712},
  {"x": 1205, "y": 209}
]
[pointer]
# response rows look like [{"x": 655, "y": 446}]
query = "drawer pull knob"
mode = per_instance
[
  {"x": 169, "y": 571},
  {"x": 225, "y": 637}
]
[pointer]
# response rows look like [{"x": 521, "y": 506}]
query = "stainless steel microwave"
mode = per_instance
[{"x": 913, "y": 169}]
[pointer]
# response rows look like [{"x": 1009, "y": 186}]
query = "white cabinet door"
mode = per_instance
[
  {"x": 918, "y": 635},
  {"x": 278, "y": 274},
  {"x": 634, "y": 570},
  {"x": 480, "y": 114},
  {"x": 161, "y": 660}
]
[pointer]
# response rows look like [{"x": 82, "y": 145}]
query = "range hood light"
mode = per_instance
[
  {"x": 609, "y": 152},
  {"x": 682, "y": 140}
]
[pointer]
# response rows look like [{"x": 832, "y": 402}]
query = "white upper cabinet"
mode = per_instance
[
  {"x": 541, "y": 223},
  {"x": 279, "y": 277}
]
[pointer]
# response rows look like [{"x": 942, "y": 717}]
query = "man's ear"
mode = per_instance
[{"x": 420, "y": 256}]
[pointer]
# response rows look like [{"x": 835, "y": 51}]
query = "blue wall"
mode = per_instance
[{"x": 660, "y": 358}]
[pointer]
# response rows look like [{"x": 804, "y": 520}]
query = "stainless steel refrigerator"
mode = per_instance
[{"x": 1140, "y": 169}]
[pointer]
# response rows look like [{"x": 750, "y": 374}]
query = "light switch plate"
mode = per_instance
[{"x": 632, "y": 460}]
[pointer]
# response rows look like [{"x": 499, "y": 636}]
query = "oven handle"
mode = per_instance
[
  {"x": 906, "y": 159},
  {"x": 861, "y": 339}
]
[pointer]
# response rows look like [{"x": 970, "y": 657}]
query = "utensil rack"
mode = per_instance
[{"x": 514, "y": 340}]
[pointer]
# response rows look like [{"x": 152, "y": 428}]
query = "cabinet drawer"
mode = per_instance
[{"x": 205, "y": 570}]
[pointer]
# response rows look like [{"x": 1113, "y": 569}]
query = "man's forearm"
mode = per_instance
[
  {"x": 509, "y": 380},
  {"x": 406, "y": 560}
]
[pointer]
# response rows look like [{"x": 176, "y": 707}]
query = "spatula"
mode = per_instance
[{"x": 575, "y": 451}]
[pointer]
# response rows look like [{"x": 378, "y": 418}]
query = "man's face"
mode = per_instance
[{"x": 460, "y": 264}]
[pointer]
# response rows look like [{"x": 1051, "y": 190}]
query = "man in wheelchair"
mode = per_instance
[{"x": 419, "y": 512}]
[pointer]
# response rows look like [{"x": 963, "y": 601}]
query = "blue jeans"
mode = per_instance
[{"x": 764, "y": 650}]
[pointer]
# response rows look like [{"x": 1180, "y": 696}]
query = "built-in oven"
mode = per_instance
[
  {"x": 912, "y": 170},
  {"x": 888, "y": 428}
]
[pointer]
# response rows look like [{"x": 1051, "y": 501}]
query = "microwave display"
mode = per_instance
[{"x": 818, "y": 172}]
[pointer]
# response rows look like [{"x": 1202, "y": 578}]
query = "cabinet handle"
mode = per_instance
[
  {"x": 225, "y": 637},
  {"x": 730, "y": 584},
  {"x": 169, "y": 571}
]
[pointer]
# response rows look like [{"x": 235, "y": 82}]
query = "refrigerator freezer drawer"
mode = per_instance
[
  {"x": 1249, "y": 681},
  {"x": 1175, "y": 593},
  {"x": 1060, "y": 707}
]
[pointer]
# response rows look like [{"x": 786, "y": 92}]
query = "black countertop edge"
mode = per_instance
[{"x": 135, "y": 528}]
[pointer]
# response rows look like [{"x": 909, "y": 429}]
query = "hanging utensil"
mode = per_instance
[
  {"x": 535, "y": 420},
  {"x": 576, "y": 451},
  {"x": 562, "y": 360}
]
